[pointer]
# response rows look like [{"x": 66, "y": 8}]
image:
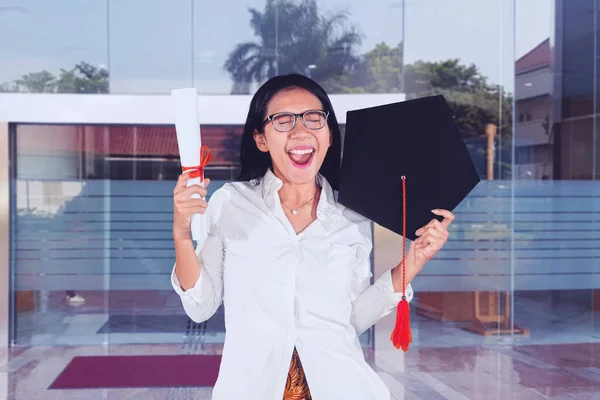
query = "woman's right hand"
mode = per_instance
[{"x": 184, "y": 206}]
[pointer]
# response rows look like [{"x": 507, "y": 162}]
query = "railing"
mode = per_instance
[{"x": 116, "y": 235}]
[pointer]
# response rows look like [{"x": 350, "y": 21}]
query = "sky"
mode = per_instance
[{"x": 149, "y": 46}]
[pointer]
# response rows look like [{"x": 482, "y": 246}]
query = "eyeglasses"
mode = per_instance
[{"x": 286, "y": 121}]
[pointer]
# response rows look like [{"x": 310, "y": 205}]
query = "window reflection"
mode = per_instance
[
  {"x": 50, "y": 51},
  {"x": 93, "y": 228},
  {"x": 118, "y": 152},
  {"x": 352, "y": 47},
  {"x": 93, "y": 201}
]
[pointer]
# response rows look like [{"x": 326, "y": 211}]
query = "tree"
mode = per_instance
[
  {"x": 474, "y": 101},
  {"x": 448, "y": 74},
  {"x": 293, "y": 37},
  {"x": 83, "y": 78},
  {"x": 381, "y": 69},
  {"x": 378, "y": 71},
  {"x": 8, "y": 88},
  {"x": 37, "y": 82}
]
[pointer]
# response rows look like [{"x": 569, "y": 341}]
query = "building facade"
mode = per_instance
[{"x": 89, "y": 156}]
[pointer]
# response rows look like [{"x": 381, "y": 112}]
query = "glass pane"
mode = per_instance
[
  {"x": 348, "y": 47},
  {"x": 58, "y": 238},
  {"x": 464, "y": 293},
  {"x": 45, "y": 49},
  {"x": 150, "y": 46},
  {"x": 93, "y": 232},
  {"x": 556, "y": 242},
  {"x": 576, "y": 41}
]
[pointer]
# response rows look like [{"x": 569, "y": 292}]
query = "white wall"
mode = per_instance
[{"x": 157, "y": 109}]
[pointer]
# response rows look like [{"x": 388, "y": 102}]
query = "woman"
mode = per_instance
[{"x": 289, "y": 263}]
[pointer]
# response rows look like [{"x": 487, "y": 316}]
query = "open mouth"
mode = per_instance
[{"x": 301, "y": 157}]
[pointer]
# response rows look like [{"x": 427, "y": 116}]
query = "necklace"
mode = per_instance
[{"x": 294, "y": 211}]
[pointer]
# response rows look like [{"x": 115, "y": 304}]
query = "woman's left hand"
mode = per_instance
[{"x": 430, "y": 240}]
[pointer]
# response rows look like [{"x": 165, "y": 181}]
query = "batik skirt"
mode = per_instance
[{"x": 296, "y": 387}]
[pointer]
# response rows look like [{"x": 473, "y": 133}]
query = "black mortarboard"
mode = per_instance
[{"x": 417, "y": 139}]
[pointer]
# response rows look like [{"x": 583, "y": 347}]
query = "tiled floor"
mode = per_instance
[
  {"x": 521, "y": 372},
  {"x": 157, "y": 317},
  {"x": 559, "y": 359}
]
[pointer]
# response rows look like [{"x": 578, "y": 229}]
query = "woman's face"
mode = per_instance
[{"x": 297, "y": 155}]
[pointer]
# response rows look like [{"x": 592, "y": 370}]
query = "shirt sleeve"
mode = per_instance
[
  {"x": 371, "y": 302},
  {"x": 202, "y": 300}
]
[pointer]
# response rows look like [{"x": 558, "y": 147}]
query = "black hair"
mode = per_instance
[{"x": 255, "y": 163}]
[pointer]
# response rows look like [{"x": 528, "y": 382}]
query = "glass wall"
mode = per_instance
[
  {"x": 50, "y": 47},
  {"x": 350, "y": 46},
  {"x": 465, "y": 50},
  {"x": 574, "y": 131},
  {"x": 93, "y": 202},
  {"x": 126, "y": 47},
  {"x": 93, "y": 247}
]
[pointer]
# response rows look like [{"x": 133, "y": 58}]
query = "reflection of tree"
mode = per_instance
[
  {"x": 37, "y": 82},
  {"x": 83, "y": 78},
  {"x": 378, "y": 71},
  {"x": 231, "y": 148},
  {"x": 293, "y": 37},
  {"x": 474, "y": 101},
  {"x": 306, "y": 39}
]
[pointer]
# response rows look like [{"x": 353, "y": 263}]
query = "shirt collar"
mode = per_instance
[{"x": 327, "y": 208}]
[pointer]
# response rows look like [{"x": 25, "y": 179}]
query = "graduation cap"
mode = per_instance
[{"x": 400, "y": 161}]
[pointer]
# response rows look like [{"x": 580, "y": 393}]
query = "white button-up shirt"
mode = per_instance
[{"x": 281, "y": 289}]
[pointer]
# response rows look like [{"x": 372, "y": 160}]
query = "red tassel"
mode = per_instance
[{"x": 402, "y": 336}]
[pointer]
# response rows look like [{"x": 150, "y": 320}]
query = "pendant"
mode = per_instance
[{"x": 294, "y": 212}]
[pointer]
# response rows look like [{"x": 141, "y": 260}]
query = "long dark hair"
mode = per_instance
[{"x": 254, "y": 163}]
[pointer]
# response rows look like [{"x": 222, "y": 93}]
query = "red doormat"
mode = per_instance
[{"x": 100, "y": 372}]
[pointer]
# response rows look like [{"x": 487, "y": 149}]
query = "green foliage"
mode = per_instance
[
  {"x": 378, "y": 71},
  {"x": 83, "y": 78},
  {"x": 474, "y": 102},
  {"x": 293, "y": 37},
  {"x": 37, "y": 82}
]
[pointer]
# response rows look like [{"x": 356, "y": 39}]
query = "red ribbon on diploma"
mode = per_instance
[{"x": 198, "y": 170}]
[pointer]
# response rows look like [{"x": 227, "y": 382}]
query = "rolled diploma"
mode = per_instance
[{"x": 187, "y": 126}]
